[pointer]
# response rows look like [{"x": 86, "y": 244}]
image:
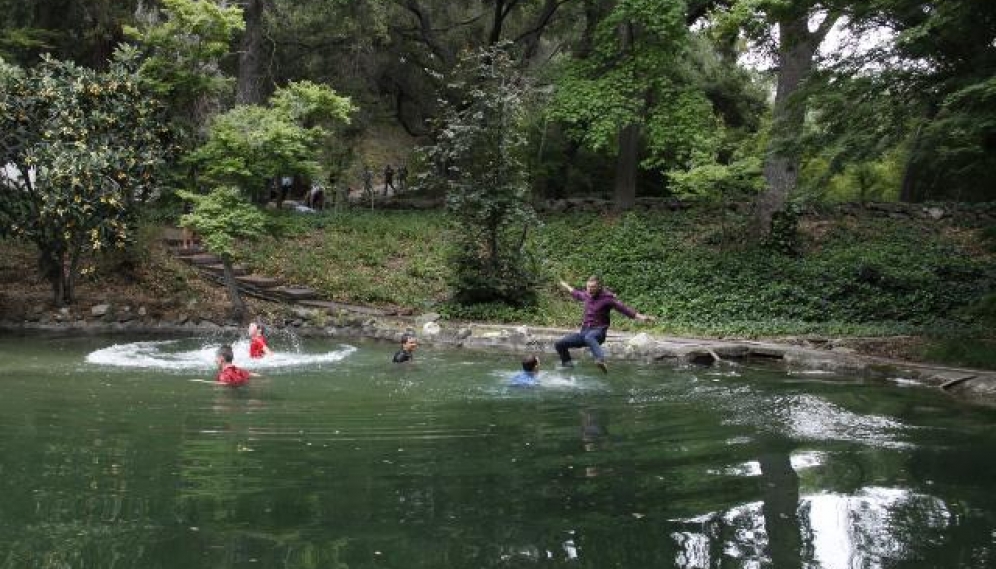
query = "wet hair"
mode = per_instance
[
  {"x": 529, "y": 363},
  {"x": 226, "y": 353},
  {"x": 407, "y": 336}
]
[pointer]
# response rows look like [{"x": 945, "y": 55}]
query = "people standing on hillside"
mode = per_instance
[
  {"x": 315, "y": 198},
  {"x": 257, "y": 342},
  {"x": 367, "y": 177},
  {"x": 598, "y": 302},
  {"x": 402, "y": 178},
  {"x": 388, "y": 179},
  {"x": 188, "y": 237},
  {"x": 228, "y": 373}
]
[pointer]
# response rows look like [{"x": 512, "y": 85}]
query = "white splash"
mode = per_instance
[{"x": 169, "y": 354}]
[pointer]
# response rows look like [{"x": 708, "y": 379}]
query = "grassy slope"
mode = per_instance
[{"x": 867, "y": 276}]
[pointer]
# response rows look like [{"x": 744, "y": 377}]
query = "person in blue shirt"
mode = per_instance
[{"x": 529, "y": 375}]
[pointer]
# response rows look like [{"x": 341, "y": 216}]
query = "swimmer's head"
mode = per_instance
[
  {"x": 225, "y": 354},
  {"x": 408, "y": 342},
  {"x": 530, "y": 363}
]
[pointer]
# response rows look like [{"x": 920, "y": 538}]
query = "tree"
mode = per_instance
[
  {"x": 927, "y": 92},
  {"x": 81, "y": 149},
  {"x": 784, "y": 28},
  {"x": 184, "y": 44},
  {"x": 83, "y": 31},
  {"x": 250, "y": 145},
  {"x": 628, "y": 91},
  {"x": 251, "y": 90},
  {"x": 221, "y": 218},
  {"x": 480, "y": 165}
]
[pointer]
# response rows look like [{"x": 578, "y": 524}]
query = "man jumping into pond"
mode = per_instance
[{"x": 598, "y": 302}]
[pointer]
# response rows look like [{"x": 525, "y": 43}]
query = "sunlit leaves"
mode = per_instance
[
  {"x": 185, "y": 43},
  {"x": 82, "y": 148},
  {"x": 222, "y": 218},
  {"x": 249, "y": 144}
]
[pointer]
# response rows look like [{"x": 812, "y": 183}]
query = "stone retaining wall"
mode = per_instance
[
  {"x": 973, "y": 386},
  {"x": 968, "y": 213}
]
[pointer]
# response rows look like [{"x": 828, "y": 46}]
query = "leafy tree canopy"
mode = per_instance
[
  {"x": 80, "y": 149},
  {"x": 184, "y": 43},
  {"x": 222, "y": 218},
  {"x": 250, "y": 145}
]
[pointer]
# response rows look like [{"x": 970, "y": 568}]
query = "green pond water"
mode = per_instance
[{"x": 112, "y": 457}]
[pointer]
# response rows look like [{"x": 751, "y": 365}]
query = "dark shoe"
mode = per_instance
[
  {"x": 601, "y": 365},
  {"x": 566, "y": 365}
]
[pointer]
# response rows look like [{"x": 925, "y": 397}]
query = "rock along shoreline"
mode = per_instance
[{"x": 967, "y": 385}]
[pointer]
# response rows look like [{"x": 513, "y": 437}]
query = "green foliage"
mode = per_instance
[
  {"x": 82, "y": 31},
  {"x": 184, "y": 45},
  {"x": 864, "y": 276},
  {"x": 710, "y": 182},
  {"x": 693, "y": 106},
  {"x": 598, "y": 95},
  {"x": 783, "y": 237},
  {"x": 874, "y": 276},
  {"x": 928, "y": 95},
  {"x": 309, "y": 104},
  {"x": 85, "y": 148},
  {"x": 223, "y": 219},
  {"x": 363, "y": 257},
  {"x": 479, "y": 152},
  {"x": 960, "y": 351},
  {"x": 250, "y": 145}
]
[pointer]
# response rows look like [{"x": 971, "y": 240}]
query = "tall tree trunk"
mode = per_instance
[
  {"x": 780, "y": 510},
  {"x": 624, "y": 191},
  {"x": 530, "y": 40},
  {"x": 497, "y": 21},
  {"x": 796, "y": 49},
  {"x": 238, "y": 303},
  {"x": 250, "y": 80},
  {"x": 908, "y": 192}
]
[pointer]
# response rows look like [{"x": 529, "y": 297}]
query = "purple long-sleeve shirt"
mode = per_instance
[{"x": 597, "y": 308}]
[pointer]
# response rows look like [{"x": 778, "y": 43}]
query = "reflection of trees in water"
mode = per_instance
[{"x": 871, "y": 528}]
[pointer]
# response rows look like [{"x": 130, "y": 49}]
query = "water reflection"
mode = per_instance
[
  {"x": 872, "y": 528},
  {"x": 358, "y": 465}
]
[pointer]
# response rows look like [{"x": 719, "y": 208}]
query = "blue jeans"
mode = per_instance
[{"x": 591, "y": 337}]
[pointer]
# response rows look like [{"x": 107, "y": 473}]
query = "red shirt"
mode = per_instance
[
  {"x": 233, "y": 376},
  {"x": 257, "y": 347}
]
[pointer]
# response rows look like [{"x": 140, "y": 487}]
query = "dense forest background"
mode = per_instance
[
  {"x": 633, "y": 97},
  {"x": 123, "y": 110}
]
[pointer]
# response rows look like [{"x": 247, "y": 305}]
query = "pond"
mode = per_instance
[{"x": 115, "y": 456}]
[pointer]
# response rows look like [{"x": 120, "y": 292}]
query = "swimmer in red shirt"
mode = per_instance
[
  {"x": 228, "y": 373},
  {"x": 257, "y": 342}
]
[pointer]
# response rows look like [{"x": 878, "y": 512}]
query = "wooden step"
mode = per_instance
[
  {"x": 259, "y": 281},
  {"x": 293, "y": 293},
  {"x": 202, "y": 259},
  {"x": 337, "y": 306},
  {"x": 237, "y": 270}
]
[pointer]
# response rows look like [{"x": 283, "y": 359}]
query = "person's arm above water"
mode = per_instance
[
  {"x": 575, "y": 293},
  {"x": 626, "y": 310}
]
